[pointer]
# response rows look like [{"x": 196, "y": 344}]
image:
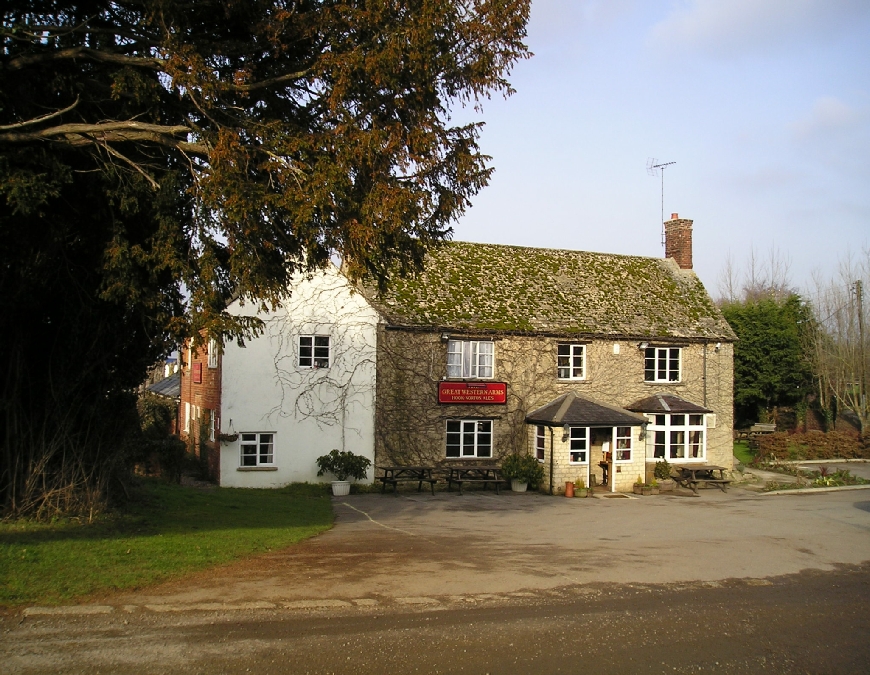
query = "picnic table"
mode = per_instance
[
  {"x": 692, "y": 475},
  {"x": 756, "y": 430},
  {"x": 474, "y": 474},
  {"x": 412, "y": 474}
]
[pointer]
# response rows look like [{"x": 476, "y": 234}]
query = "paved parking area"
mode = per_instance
[{"x": 413, "y": 547}]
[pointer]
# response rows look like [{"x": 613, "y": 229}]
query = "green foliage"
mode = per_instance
[
  {"x": 160, "y": 451},
  {"x": 343, "y": 465},
  {"x": 160, "y": 158},
  {"x": 166, "y": 531},
  {"x": 523, "y": 467},
  {"x": 810, "y": 445},
  {"x": 662, "y": 470},
  {"x": 771, "y": 364}
]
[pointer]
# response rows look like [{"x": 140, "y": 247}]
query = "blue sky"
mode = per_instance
[{"x": 764, "y": 105}]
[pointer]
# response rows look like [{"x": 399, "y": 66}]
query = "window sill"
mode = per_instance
[
  {"x": 663, "y": 382},
  {"x": 257, "y": 468}
]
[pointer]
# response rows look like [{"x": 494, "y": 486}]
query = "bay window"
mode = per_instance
[{"x": 678, "y": 436}]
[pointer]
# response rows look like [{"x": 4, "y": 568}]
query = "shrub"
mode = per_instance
[
  {"x": 810, "y": 445},
  {"x": 662, "y": 470},
  {"x": 522, "y": 467},
  {"x": 343, "y": 465}
]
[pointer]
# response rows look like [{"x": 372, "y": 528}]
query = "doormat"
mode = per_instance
[{"x": 615, "y": 495}]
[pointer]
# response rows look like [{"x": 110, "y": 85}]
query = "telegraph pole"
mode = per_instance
[{"x": 859, "y": 292}]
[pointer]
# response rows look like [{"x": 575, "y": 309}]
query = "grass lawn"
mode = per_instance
[
  {"x": 166, "y": 531},
  {"x": 743, "y": 452}
]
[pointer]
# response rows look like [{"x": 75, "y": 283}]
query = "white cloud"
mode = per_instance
[
  {"x": 830, "y": 116},
  {"x": 726, "y": 27}
]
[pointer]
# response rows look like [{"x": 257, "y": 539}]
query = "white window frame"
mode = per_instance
[
  {"x": 212, "y": 353},
  {"x": 578, "y": 442},
  {"x": 211, "y": 424},
  {"x": 668, "y": 426},
  {"x": 471, "y": 359},
  {"x": 315, "y": 357},
  {"x": 264, "y": 444},
  {"x": 478, "y": 429},
  {"x": 623, "y": 444},
  {"x": 540, "y": 442},
  {"x": 570, "y": 361},
  {"x": 660, "y": 362},
  {"x": 187, "y": 417}
]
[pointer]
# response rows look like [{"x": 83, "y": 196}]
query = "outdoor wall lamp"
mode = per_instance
[
  {"x": 643, "y": 345},
  {"x": 566, "y": 433},
  {"x": 718, "y": 346},
  {"x": 444, "y": 337}
]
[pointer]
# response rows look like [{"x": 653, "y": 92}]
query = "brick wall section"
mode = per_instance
[
  {"x": 678, "y": 241},
  {"x": 205, "y": 395}
]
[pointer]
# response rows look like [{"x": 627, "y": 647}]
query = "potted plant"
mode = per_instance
[
  {"x": 662, "y": 472},
  {"x": 580, "y": 489},
  {"x": 654, "y": 487},
  {"x": 637, "y": 488},
  {"x": 343, "y": 465},
  {"x": 522, "y": 470}
]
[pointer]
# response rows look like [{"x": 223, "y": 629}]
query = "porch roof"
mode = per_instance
[
  {"x": 579, "y": 411},
  {"x": 170, "y": 387},
  {"x": 666, "y": 403}
]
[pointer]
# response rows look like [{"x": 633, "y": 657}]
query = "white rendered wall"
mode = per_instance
[{"x": 310, "y": 411}]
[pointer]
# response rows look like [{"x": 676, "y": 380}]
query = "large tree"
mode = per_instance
[
  {"x": 158, "y": 157},
  {"x": 772, "y": 366}
]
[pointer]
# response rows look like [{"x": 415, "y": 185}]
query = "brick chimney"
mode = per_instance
[{"x": 678, "y": 240}]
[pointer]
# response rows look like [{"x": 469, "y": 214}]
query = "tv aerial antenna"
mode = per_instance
[{"x": 656, "y": 168}]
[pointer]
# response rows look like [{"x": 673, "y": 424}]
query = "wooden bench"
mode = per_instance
[
  {"x": 394, "y": 475},
  {"x": 475, "y": 474},
  {"x": 693, "y": 475},
  {"x": 756, "y": 430}
]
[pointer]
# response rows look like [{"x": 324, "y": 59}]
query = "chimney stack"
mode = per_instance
[{"x": 678, "y": 240}]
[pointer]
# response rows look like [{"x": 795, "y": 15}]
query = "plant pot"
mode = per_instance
[
  {"x": 569, "y": 489},
  {"x": 340, "y": 488},
  {"x": 654, "y": 490},
  {"x": 646, "y": 491},
  {"x": 637, "y": 489},
  {"x": 581, "y": 492},
  {"x": 667, "y": 485},
  {"x": 519, "y": 485}
]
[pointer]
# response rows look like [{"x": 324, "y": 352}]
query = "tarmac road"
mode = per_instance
[{"x": 736, "y": 583}]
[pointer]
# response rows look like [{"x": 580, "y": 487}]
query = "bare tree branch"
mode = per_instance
[
  {"x": 39, "y": 120},
  {"x": 85, "y": 52}
]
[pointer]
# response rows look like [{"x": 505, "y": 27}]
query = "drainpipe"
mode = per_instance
[
  {"x": 705, "y": 374},
  {"x": 551, "y": 461}
]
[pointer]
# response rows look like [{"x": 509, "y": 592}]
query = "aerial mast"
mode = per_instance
[{"x": 655, "y": 168}]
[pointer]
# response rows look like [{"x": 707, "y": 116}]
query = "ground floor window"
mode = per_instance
[
  {"x": 578, "y": 450},
  {"x": 469, "y": 438},
  {"x": 622, "y": 444},
  {"x": 258, "y": 449},
  {"x": 678, "y": 436},
  {"x": 540, "y": 442}
]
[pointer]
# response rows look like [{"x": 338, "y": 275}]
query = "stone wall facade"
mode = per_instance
[{"x": 411, "y": 424}]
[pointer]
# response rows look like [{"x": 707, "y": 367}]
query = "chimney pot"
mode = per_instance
[{"x": 678, "y": 241}]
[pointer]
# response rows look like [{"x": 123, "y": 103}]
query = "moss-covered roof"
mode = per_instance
[{"x": 487, "y": 287}]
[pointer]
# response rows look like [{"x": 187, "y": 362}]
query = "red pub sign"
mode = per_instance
[{"x": 472, "y": 392}]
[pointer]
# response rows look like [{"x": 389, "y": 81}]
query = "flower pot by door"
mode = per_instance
[
  {"x": 569, "y": 489},
  {"x": 340, "y": 488},
  {"x": 519, "y": 485}
]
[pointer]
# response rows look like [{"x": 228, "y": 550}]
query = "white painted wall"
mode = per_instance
[{"x": 311, "y": 411}]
